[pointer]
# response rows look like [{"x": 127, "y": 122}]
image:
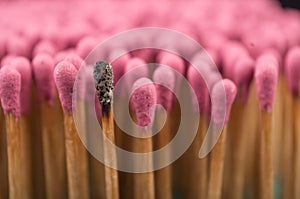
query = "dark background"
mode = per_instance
[{"x": 290, "y": 3}]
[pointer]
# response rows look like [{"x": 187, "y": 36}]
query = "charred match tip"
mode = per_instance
[{"x": 103, "y": 77}]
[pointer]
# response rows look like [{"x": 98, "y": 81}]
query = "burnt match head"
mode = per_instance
[{"x": 103, "y": 76}]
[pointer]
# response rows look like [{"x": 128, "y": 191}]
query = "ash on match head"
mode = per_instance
[{"x": 103, "y": 76}]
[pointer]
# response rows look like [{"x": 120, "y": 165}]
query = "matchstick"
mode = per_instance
[
  {"x": 266, "y": 77},
  {"x": 219, "y": 116},
  {"x": 143, "y": 97},
  {"x": 96, "y": 167},
  {"x": 165, "y": 84},
  {"x": 76, "y": 154},
  {"x": 175, "y": 62},
  {"x": 52, "y": 128},
  {"x": 199, "y": 178},
  {"x": 19, "y": 178},
  {"x": 237, "y": 66},
  {"x": 103, "y": 76},
  {"x": 123, "y": 140},
  {"x": 293, "y": 79},
  {"x": 3, "y": 157},
  {"x": 31, "y": 135}
]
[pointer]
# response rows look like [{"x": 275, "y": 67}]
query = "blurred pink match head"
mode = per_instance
[
  {"x": 19, "y": 46},
  {"x": 135, "y": 69},
  {"x": 164, "y": 78},
  {"x": 3, "y": 44},
  {"x": 23, "y": 66},
  {"x": 174, "y": 62},
  {"x": 199, "y": 86},
  {"x": 143, "y": 98},
  {"x": 43, "y": 67},
  {"x": 7, "y": 59},
  {"x": 257, "y": 41},
  {"x": 118, "y": 60},
  {"x": 242, "y": 75},
  {"x": 44, "y": 46},
  {"x": 292, "y": 70},
  {"x": 266, "y": 77},
  {"x": 85, "y": 46},
  {"x": 145, "y": 54},
  {"x": 220, "y": 100},
  {"x": 74, "y": 59},
  {"x": 10, "y": 88},
  {"x": 61, "y": 55},
  {"x": 231, "y": 52},
  {"x": 64, "y": 77}
]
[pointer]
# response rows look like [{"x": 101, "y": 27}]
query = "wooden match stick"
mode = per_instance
[
  {"x": 76, "y": 154},
  {"x": 52, "y": 129},
  {"x": 96, "y": 168},
  {"x": 218, "y": 153},
  {"x": 143, "y": 183},
  {"x": 3, "y": 157},
  {"x": 296, "y": 146},
  {"x": 199, "y": 177},
  {"x": 19, "y": 173},
  {"x": 163, "y": 177},
  {"x": 293, "y": 79},
  {"x": 165, "y": 79},
  {"x": 103, "y": 76},
  {"x": 143, "y": 97},
  {"x": 266, "y": 77}
]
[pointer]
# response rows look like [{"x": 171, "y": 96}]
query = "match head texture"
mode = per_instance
[
  {"x": 74, "y": 59},
  {"x": 165, "y": 84},
  {"x": 266, "y": 77},
  {"x": 43, "y": 67},
  {"x": 292, "y": 70},
  {"x": 64, "y": 76},
  {"x": 23, "y": 66},
  {"x": 103, "y": 77},
  {"x": 10, "y": 88},
  {"x": 222, "y": 101},
  {"x": 143, "y": 97}
]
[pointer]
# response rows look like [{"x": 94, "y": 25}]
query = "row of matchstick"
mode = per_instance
[{"x": 255, "y": 47}]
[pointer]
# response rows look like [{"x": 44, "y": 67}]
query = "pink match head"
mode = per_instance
[
  {"x": 231, "y": 52},
  {"x": 43, "y": 67},
  {"x": 74, "y": 59},
  {"x": 214, "y": 56},
  {"x": 118, "y": 63},
  {"x": 292, "y": 70},
  {"x": 220, "y": 100},
  {"x": 242, "y": 75},
  {"x": 19, "y": 46},
  {"x": 143, "y": 97},
  {"x": 65, "y": 76},
  {"x": 165, "y": 84},
  {"x": 266, "y": 77},
  {"x": 145, "y": 54},
  {"x": 135, "y": 68},
  {"x": 174, "y": 62},
  {"x": 258, "y": 41},
  {"x": 7, "y": 59},
  {"x": 44, "y": 46},
  {"x": 85, "y": 46},
  {"x": 2, "y": 45},
  {"x": 61, "y": 55},
  {"x": 199, "y": 86},
  {"x": 23, "y": 66},
  {"x": 10, "y": 88}
]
